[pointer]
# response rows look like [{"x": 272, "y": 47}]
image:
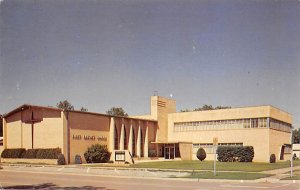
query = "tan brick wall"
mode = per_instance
[
  {"x": 263, "y": 140},
  {"x": 47, "y": 133},
  {"x": 277, "y": 139},
  {"x": 88, "y": 125},
  {"x": 26, "y": 136},
  {"x": 185, "y": 151},
  {"x": 280, "y": 115},
  {"x": 13, "y": 131},
  {"x": 1, "y": 149},
  {"x": 160, "y": 108},
  {"x": 258, "y": 138},
  {"x": 234, "y": 113},
  {"x": 80, "y": 145}
]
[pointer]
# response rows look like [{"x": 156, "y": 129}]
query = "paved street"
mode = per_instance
[{"x": 35, "y": 178}]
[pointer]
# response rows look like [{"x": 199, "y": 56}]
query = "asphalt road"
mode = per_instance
[{"x": 10, "y": 179}]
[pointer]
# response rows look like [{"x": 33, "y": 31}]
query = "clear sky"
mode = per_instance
[{"x": 100, "y": 54}]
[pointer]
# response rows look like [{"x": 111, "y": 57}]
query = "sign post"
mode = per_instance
[
  {"x": 215, "y": 144},
  {"x": 120, "y": 156}
]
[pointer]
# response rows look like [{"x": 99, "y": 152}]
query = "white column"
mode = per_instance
[
  {"x": 122, "y": 137},
  {"x": 138, "y": 143},
  {"x": 130, "y": 140},
  {"x": 146, "y": 144},
  {"x": 112, "y": 135}
]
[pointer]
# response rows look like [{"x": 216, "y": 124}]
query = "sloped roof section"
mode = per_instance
[{"x": 27, "y": 106}]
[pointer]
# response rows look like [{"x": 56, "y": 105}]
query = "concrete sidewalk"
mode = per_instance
[{"x": 281, "y": 170}]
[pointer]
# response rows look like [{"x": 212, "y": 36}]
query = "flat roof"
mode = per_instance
[
  {"x": 233, "y": 113},
  {"x": 232, "y": 108}
]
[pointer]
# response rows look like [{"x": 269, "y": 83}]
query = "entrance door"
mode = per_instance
[
  {"x": 172, "y": 156},
  {"x": 169, "y": 151}
]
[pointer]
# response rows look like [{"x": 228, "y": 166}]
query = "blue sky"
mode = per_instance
[{"x": 100, "y": 54}]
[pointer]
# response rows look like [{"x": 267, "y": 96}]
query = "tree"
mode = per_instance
[
  {"x": 83, "y": 109},
  {"x": 210, "y": 107},
  {"x": 204, "y": 107},
  {"x": 117, "y": 111},
  {"x": 66, "y": 105},
  {"x": 296, "y": 136},
  {"x": 185, "y": 110},
  {"x": 222, "y": 107},
  {"x": 207, "y": 107},
  {"x": 201, "y": 154},
  {"x": 97, "y": 154}
]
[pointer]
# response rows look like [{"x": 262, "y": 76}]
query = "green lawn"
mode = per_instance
[
  {"x": 296, "y": 175},
  {"x": 221, "y": 166},
  {"x": 227, "y": 175}
]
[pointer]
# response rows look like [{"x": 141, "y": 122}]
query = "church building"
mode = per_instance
[{"x": 163, "y": 134}]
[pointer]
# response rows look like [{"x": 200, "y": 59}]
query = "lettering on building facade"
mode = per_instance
[
  {"x": 89, "y": 138},
  {"x": 76, "y": 137}
]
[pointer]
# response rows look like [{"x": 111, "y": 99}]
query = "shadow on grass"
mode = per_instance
[{"x": 51, "y": 186}]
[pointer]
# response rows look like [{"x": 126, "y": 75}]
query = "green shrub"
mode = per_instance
[
  {"x": 30, "y": 153},
  {"x": 78, "y": 159},
  {"x": 152, "y": 153},
  {"x": 97, "y": 154},
  {"x": 235, "y": 153},
  {"x": 61, "y": 159},
  {"x": 13, "y": 153},
  {"x": 49, "y": 153},
  {"x": 295, "y": 157},
  {"x": 272, "y": 158},
  {"x": 201, "y": 154}
]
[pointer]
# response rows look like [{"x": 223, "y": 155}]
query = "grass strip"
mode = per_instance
[
  {"x": 296, "y": 175},
  {"x": 221, "y": 166}
]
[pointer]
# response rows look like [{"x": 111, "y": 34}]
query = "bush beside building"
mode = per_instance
[
  {"x": 49, "y": 153},
  {"x": 97, "y": 154},
  {"x": 235, "y": 153}
]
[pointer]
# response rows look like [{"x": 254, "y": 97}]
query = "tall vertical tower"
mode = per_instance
[{"x": 160, "y": 108}]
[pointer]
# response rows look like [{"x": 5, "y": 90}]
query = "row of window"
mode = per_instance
[
  {"x": 209, "y": 148},
  {"x": 232, "y": 124},
  {"x": 279, "y": 125}
]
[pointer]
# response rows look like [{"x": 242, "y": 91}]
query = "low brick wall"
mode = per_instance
[{"x": 29, "y": 161}]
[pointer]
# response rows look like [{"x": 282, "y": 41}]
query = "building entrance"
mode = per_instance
[{"x": 169, "y": 151}]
